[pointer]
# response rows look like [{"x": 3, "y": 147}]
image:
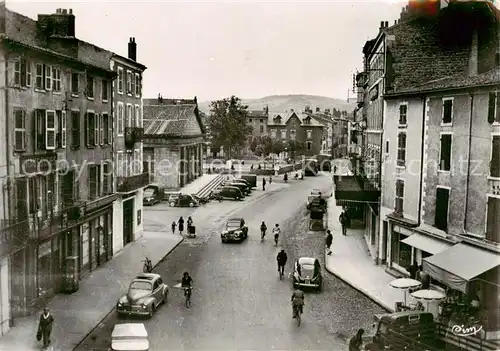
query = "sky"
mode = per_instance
[{"x": 220, "y": 48}]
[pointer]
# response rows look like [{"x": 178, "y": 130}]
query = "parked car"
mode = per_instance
[
  {"x": 129, "y": 336},
  {"x": 184, "y": 200},
  {"x": 251, "y": 179},
  {"x": 235, "y": 230},
  {"x": 315, "y": 192},
  {"x": 228, "y": 192},
  {"x": 307, "y": 273},
  {"x": 248, "y": 188},
  {"x": 310, "y": 200},
  {"x": 242, "y": 186},
  {"x": 145, "y": 294},
  {"x": 150, "y": 197}
]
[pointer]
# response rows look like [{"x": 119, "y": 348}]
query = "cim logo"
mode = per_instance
[{"x": 462, "y": 330}]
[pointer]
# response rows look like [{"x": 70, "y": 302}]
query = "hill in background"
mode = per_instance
[{"x": 280, "y": 103}]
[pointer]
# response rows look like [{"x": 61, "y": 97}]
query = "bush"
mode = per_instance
[{"x": 262, "y": 172}]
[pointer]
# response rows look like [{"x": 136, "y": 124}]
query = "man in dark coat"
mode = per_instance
[
  {"x": 45, "y": 327},
  {"x": 356, "y": 341},
  {"x": 263, "y": 184},
  {"x": 343, "y": 222},
  {"x": 329, "y": 240},
  {"x": 281, "y": 258}
]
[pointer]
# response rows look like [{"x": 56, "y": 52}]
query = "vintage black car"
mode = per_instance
[
  {"x": 307, "y": 273},
  {"x": 229, "y": 192},
  {"x": 242, "y": 186},
  {"x": 251, "y": 179},
  {"x": 235, "y": 230},
  {"x": 183, "y": 200},
  {"x": 145, "y": 294},
  {"x": 150, "y": 197},
  {"x": 248, "y": 188}
]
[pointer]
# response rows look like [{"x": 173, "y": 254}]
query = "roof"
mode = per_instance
[
  {"x": 129, "y": 61},
  {"x": 285, "y": 117},
  {"x": 458, "y": 81},
  {"x": 171, "y": 117},
  {"x": 257, "y": 114},
  {"x": 23, "y": 30},
  {"x": 428, "y": 48}
]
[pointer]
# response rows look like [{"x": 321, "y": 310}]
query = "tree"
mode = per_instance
[
  {"x": 295, "y": 148},
  {"x": 228, "y": 125},
  {"x": 278, "y": 147}
]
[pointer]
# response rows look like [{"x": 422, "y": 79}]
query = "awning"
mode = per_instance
[
  {"x": 426, "y": 243},
  {"x": 459, "y": 264},
  {"x": 348, "y": 189}
]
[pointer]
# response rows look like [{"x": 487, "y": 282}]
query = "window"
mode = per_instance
[
  {"x": 400, "y": 192},
  {"x": 283, "y": 134},
  {"x": 493, "y": 220},
  {"x": 56, "y": 79},
  {"x": 249, "y": 120},
  {"x": 447, "y": 111},
  {"x": 50, "y": 130},
  {"x": 120, "y": 160},
  {"x": 61, "y": 131},
  {"x": 94, "y": 182},
  {"x": 137, "y": 161},
  {"x": 445, "y": 153},
  {"x": 104, "y": 90},
  {"x": 120, "y": 118},
  {"x": 307, "y": 120},
  {"x": 17, "y": 72},
  {"x": 100, "y": 130},
  {"x": 120, "y": 80},
  {"x": 261, "y": 121},
  {"x": 400, "y": 252},
  {"x": 387, "y": 147},
  {"x": 129, "y": 116},
  {"x": 129, "y": 82},
  {"x": 39, "y": 129},
  {"x": 106, "y": 178},
  {"x": 442, "y": 203},
  {"x": 40, "y": 77},
  {"x": 107, "y": 126},
  {"x": 495, "y": 157},
  {"x": 97, "y": 129},
  {"x": 48, "y": 77},
  {"x": 309, "y": 145},
  {"x": 309, "y": 134},
  {"x": 137, "y": 116},
  {"x": 90, "y": 126},
  {"x": 75, "y": 129},
  {"x": 74, "y": 83},
  {"x": 292, "y": 134},
  {"x": 403, "y": 109},
  {"x": 261, "y": 129},
  {"x": 137, "y": 85},
  {"x": 90, "y": 87},
  {"x": 401, "y": 160},
  {"x": 19, "y": 130},
  {"x": 273, "y": 133},
  {"x": 26, "y": 65},
  {"x": 132, "y": 79}
]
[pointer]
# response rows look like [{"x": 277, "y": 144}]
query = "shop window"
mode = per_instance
[
  {"x": 400, "y": 252},
  {"x": 493, "y": 220},
  {"x": 442, "y": 204}
]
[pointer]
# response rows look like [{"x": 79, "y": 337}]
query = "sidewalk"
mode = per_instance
[
  {"x": 351, "y": 261},
  {"x": 77, "y": 314}
]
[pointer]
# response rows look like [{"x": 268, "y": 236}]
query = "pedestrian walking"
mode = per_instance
[
  {"x": 270, "y": 179},
  {"x": 328, "y": 241},
  {"x": 173, "y": 227},
  {"x": 45, "y": 327},
  {"x": 356, "y": 341},
  {"x": 281, "y": 258},
  {"x": 343, "y": 222},
  {"x": 263, "y": 184},
  {"x": 181, "y": 225}
]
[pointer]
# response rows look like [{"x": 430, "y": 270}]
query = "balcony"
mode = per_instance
[
  {"x": 132, "y": 183},
  {"x": 13, "y": 236},
  {"x": 133, "y": 135}
]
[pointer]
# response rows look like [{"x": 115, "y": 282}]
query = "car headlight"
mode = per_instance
[
  {"x": 119, "y": 304},
  {"x": 144, "y": 306}
]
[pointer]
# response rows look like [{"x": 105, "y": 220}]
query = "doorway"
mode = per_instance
[{"x": 128, "y": 221}]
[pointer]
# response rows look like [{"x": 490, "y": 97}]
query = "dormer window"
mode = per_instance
[{"x": 307, "y": 120}]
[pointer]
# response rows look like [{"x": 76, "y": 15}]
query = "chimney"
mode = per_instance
[
  {"x": 291, "y": 110},
  {"x": 473, "y": 57},
  {"x": 61, "y": 23},
  {"x": 386, "y": 24},
  {"x": 381, "y": 25},
  {"x": 160, "y": 99},
  {"x": 64, "y": 12},
  {"x": 70, "y": 11},
  {"x": 132, "y": 49}
]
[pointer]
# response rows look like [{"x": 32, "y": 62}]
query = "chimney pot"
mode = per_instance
[
  {"x": 70, "y": 11},
  {"x": 386, "y": 24},
  {"x": 132, "y": 49},
  {"x": 381, "y": 24},
  {"x": 65, "y": 12}
]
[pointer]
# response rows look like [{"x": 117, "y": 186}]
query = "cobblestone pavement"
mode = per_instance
[{"x": 238, "y": 300}]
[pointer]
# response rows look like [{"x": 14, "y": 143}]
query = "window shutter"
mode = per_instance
[
  {"x": 23, "y": 72},
  {"x": 493, "y": 220},
  {"x": 497, "y": 117},
  {"x": 50, "y": 130},
  {"x": 110, "y": 130},
  {"x": 97, "y": 128},
  {"x": 495, "y": 157},
  {"x": 48, "y": 77},
  {"x": 87, "y": 128},
  {"x": 63, "y": 130},
  {"x": 492, "y": 102},
  {"x": 101, "y": 131}
]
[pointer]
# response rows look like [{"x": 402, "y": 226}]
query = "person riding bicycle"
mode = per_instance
[
  {"x": 263, "y": 229},
  {"x": 298, "y": 300},
  {"x": 276, "y": 231},
  {"x": 186, "y": 282},
  {"x": 281, "y": 258}
]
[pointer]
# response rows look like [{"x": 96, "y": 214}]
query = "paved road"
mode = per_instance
[{"x": 238, "y": 300}]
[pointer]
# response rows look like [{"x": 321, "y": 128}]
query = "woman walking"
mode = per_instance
[{"x": 181, "y": 225}]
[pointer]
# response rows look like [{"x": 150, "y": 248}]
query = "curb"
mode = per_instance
[
  {"x": 360, "y": 290},
  {"x": 86, "y": 335}
]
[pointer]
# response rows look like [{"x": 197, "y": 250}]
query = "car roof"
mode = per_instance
[
  {"x": 147, "y": 276},
  {"x": 234, "y": 219},
  {"x": 306, "y": 260},
  {"x": 129, "y": 329}
]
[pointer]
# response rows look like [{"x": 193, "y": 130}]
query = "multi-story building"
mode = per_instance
[
  {"x": 128, "y": 132},
  {"x": 59, "y": 136},
  {"x": 257, "y": 119},
  {"x": 442, "y": 137},
  {"x": 326, "y": 119},
  {"x": 298, "y": 127}
]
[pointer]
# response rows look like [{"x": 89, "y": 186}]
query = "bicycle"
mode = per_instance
[
  {"x": 276, "y": 237},
  {"x": 148, "y": 266},
  {"x": 296, "y": 314},
  {"x": 187, "y": 294}
]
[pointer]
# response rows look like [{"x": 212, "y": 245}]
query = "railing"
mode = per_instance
[
  {"x": 466, "y": 342},
  {"x": 13, "y": 236},
  {"x": 129, "y": 184}
]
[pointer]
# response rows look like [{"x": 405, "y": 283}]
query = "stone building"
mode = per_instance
[
  {"x": 59, "y": 137},
  {"x": 173, "y": 141},
  {"x": 128, "y": 154}
]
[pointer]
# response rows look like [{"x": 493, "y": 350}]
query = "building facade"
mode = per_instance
[
  {"x": 257, "y": 119},
  {"x": 128, "y": 153},
  {"x": 173, "y": 141},
  {"x": 59, "y": 143},
  {"x": 298, "y": 128}
]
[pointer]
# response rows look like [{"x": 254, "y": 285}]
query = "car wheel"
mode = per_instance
[
  {"x": 153, "y": 309},
  {"x": 165, "y": 297},
  {"x": 172, "y": 204},
  {"x": 238, "y": 198},
  {"x": 191, "y": 204}
]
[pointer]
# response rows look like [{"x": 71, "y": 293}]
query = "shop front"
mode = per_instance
[{"x": 400, "y": 252}]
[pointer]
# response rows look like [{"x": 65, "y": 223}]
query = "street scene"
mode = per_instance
[{"x": 289, "y": 176}]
